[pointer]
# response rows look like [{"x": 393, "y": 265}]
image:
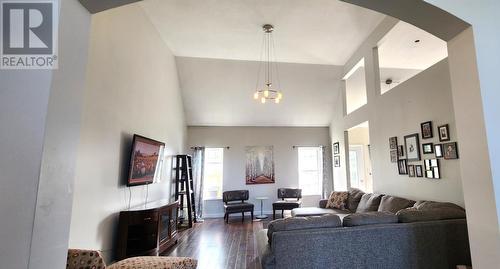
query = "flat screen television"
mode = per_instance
[{"x": 144, "y": 160}]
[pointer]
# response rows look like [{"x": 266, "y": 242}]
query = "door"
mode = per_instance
[{"x": 357, "y": 167}]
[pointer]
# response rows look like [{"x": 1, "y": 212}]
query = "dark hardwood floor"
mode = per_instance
[{"x": 216, "y": 244}]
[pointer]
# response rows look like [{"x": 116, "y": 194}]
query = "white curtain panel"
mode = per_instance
[{"x": 198, "y": 161}]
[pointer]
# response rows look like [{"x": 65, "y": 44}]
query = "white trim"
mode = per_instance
[{"x": 221, "y": 214}]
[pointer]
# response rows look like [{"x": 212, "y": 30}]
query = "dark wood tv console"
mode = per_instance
[{"x": 147, "y": 230}]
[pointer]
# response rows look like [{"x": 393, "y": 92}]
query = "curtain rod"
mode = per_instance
[
  {"x": 197, "y": 147},
  {"x": 307, "y": 146}
]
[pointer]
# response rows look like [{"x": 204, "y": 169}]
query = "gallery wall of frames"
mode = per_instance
[{"x": 417, "y": 155}]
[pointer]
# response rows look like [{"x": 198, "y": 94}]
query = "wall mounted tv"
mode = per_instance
[{"x": 144, "y": 160}]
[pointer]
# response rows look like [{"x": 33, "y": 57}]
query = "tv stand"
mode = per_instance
[{"x": 147, "y": 230}]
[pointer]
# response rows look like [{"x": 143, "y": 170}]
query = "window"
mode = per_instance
[
  {"x": 212, "y": 173},
  {"x": 310, "y": 170},
  {"x": 355, "y": 87}
]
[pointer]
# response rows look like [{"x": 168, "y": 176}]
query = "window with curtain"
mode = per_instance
[
  {"x": 213, "y": 173},
  {"x": 310, "y": 170}
]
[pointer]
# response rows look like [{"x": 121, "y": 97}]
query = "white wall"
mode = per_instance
[
  {"x": 39, "y": 115},
  {"x": 308, "y": 92},
  {"x": 285, "y": 158},
  {"x": 132, "y": 87}
]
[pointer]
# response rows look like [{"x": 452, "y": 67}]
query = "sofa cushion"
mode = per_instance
[
  {"x": 369, "y": 202},
  {"x": 393, "y": 204},
  {"x": 415, "y": 215},
  {"x": 337, "y": 200},
  {"x": 238, "y": 207},
  {"x": 368, "y": 218},
  {"x": 300, "y": 223},
  {"x": 354, "y": 198},
  {"x": 315, "y": 211},
  {"x": 426, "y": 205}
]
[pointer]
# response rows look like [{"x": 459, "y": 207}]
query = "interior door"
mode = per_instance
[{"x": 357, "y": 166}]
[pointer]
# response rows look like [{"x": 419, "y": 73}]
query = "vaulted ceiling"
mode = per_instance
[
  {"x": 312, "y": 31},
  {"x": 217, "y": 44}
]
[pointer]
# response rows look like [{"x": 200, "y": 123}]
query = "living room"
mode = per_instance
[{"x": 366, "y": 101}]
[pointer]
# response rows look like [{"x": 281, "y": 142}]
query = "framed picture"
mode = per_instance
[
  {"x": 394, "y": 156},
  {"x": 336, "y": 148},
  {"x": 444, "y": 133},
  {"x": 412, "y": 148},
  {"x": 426, "y": 128},
  {"x": 259, "y": 165},
  {"x": 432, "y": 169},
  {"x": 393, "y": 142},
  {"x": 428, "y": 148},
  {"x": 450, "y": 151},
  {"x": 336, "y": 161},
  {"x": 411, "y": 170},
  {"x": 438, "y": 150},
  {"x": 402, "y": 167},
  {"x": 419, "y": 171},
  {"x": 401, "y": 151}
]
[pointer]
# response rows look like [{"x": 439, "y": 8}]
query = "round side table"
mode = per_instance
[{"x": 261, "y": 198}]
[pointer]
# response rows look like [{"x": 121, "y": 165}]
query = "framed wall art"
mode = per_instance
[
  {"x": 402, "y": 167},
  {"x": 444, "y": 133},
  {"x": 438, "y": 150},
  {"x": 426, "y": 129},
  {"x": 412, "y": 147},
  {"x": 428, "y": 148},
  {"x": 394, "y": 156},
  {"x": 419, "y": 171},
  {"x": 393, "y": 142},
  {"x": 336, "y": 148},
  {"x": 432, "y": 168},
  {"x": 336, "y": 161},
  {"x": 259, "y": 165},
  {"x": 411, "y": 170},
  {"x": 401, "y": 152},
  {"x": 450, "y": 151}
]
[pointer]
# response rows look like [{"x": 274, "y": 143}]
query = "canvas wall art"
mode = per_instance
[{"x": 259, "y": 165}]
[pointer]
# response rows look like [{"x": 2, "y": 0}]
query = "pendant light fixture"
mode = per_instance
[{"x": 268, "y": 91}]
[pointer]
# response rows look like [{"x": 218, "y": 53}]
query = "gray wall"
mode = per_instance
[
  {"x": 286, "y": 161},
  {"x": 132, "y": 87},
  {"x": 39, "y": 115}
]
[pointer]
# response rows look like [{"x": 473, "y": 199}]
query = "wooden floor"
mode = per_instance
[{"x": 216, "y": 244}]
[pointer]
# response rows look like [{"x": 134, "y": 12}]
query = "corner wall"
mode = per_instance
[
  {"x": 132, "y": 87},
  {"x": 285, "y": 159}
]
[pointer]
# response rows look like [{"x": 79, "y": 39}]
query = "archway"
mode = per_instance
[
  {"x": 476, "y": 109},
  {"x": 474, "y": 105}
]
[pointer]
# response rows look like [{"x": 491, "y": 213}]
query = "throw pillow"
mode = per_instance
[
  {"x": 354, "y": 198},
  {"x": 369, "y": 202},
  {"x": 393, "y": 204},
  {"x": 337, "y": 200}
]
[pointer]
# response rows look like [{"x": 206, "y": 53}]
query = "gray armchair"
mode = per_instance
[{"x": 234, "y": 202}]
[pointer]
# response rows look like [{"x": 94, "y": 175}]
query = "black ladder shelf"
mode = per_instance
[{"x": 184, "y": 190}]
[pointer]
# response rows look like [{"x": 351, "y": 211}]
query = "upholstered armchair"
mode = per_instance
[
  {"x": 290, "y": 199},
  {"x": 234, "y": 202},
  {"x": 81, "y": 258}
]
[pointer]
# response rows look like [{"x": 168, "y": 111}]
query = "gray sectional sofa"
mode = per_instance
[{"x": 375, "y": 231}]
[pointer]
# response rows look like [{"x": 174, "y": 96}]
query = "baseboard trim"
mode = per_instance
[{"x": 221, "y": 214}]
